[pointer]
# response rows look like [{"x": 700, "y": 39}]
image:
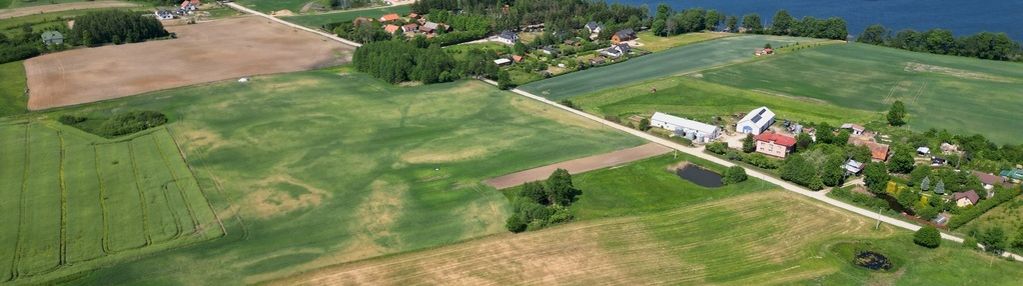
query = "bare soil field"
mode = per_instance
[
  {"x": 580, "y": 165},
  {"x": 25, "y": 11},
  {"x": 206, "y": 52}
]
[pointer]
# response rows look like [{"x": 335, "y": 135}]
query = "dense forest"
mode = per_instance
[
  {"x": 667, "y": 22},
  {"x": 25, "y": 46},
  {"x": 115, "y": 26},
  {"x": 417, "y": 60},
  {"x": 984, "y": 45}
]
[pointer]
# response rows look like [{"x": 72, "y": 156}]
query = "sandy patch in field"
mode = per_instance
[
  {"x": 32, "y": 10},
  {"x": 580, "y": 165},
  {"x": 201, "y": 139},
  {"x": 266, "y": 201},
  {"x": 206, "y": 52},
  {"x": 963, "y": 74}
]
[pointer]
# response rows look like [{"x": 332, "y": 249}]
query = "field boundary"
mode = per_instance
[
  {"x": 580, "y": 165},
  {"x": 244, "y": 9}
]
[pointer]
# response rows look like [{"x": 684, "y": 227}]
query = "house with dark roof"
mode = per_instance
[
  {"x": 965, "y": 199},
  {"x": 594, "y": 27},
  {"x": 622, "y": 36},
  {"x": 53, "y": 38},
  {"x": 617, "y": 50},
  {"x": 756, "y": 121},
  {"x": 430, "y": 27},
  {"x": 989, "y": 180},
  {"x": 507, "y": 37},
  {"x": 775, "y": 144}
]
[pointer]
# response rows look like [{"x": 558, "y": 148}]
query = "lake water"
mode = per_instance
[
  {"x": 700, "y": 176},
  {"x": 961, "y": 17}
]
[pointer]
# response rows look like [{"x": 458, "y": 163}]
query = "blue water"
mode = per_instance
[{"x": 961, "y": 17}]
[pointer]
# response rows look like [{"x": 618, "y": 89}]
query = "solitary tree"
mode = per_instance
[
  {"x": 732, "y": 24},
  {"x": 644, "y": 124},
  {"x": 897, "y": 114},
  {"x": 876, "y": 177},
  {"x": 927, "y": 236},
  {"x": 902, "y": 161},
  {"x": 874, "y": 35},
  {"x": 925, "y": 184},
  {"x": 504, "y": 80},
  {"x": 749, "y": 144}
]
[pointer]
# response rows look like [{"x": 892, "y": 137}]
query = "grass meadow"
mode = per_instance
[
  {"x": 680, "y": 60},
  {"x": 318, "y": 20},
  {"x": 656, "y": 44},
  {"x": 29, "y": 3},
  {"x": 267, "y": 6},
  {"x": 77, "y": 201},
  {"x": 317, "y": 168},
  {"x": 961, "y": 94},
  {"x": 12, "y": 89},
  {"x": 762, "y": 238}
]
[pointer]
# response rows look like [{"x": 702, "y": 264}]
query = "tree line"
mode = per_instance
[
  {"x": 983, "y": 45},
  {"x": 115, "y": 26},
  {"x": 667, "y": 22},
  {"x": 558, "y": 16},
  {"x": 398, "y": 61}
]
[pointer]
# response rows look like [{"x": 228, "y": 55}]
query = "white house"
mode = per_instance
[
  {"x": 693, "y": 130},
  {"x": 756, "y": 121},
  {"x": 616, "y": 51},
  {"x": 164, "y": 15},
  {"x": 507, "y": 37},
  {"x": 502, "y": 61}
]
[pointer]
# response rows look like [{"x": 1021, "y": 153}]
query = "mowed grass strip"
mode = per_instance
[
  {"x": 318, "y": 20},
  {"x": 12, "y": 170},
  {"x": 961, "y": 94},
  {"x": 154, "y": 180},
  {"x": 40, "y": 233},
  {"x": 684, "y": 59},
  {"x": 124, "y": 211},
  {"x": 85, "y": 213},
  {"x": 693, "y": 98},
  {"x": 192, "y": 199}
]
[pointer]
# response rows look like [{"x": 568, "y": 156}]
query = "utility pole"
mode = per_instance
[{"x": 878, "y": 226}]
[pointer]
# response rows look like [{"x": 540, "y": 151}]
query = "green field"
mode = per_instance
[
  {"x": 693, "y": 98},
  {"x": 656, "y": 44},
  {"x": 77, "y": 201},
  {"x": 961, "y": 94},
  {"x": 1008, "y": 215},
  {"x": 12, "y": 89},
  {"x": 674, "y": 61},
  {"x": 29, "y": 3},
  {"x": 268, "y": 6},
  {"x": 318, "y": 20},
  {"x": 318, "y": 168}
]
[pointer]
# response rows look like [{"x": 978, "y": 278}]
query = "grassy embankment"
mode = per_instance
[
  {"x": 317, "y": 20},
  {"x": 317, "y": 168}
]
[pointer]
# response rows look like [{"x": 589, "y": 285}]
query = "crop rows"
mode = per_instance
[{"x": 74, "y": 201}]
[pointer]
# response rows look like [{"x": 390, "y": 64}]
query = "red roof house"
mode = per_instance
[
  {"x": 390, "y": 17},
  {"x": 775, "y": 144},
  {"x": 390, "y": 29},
  {"x": 964, "y": 199}
]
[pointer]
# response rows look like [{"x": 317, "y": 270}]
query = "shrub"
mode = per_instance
[
  {"x": 71, "y": 120},
  {"x": 734, "y": 175},
  {"x": 927, "y": 236},
  {"x": 844, "y": 194},
  {"x": 970, "y": 243},
  {"x": 515, "y": 223},
  {"x": 131, "y": 122},
  {"x": 717, "y": 148}
]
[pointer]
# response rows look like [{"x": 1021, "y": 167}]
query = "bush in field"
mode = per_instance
[
  {"x": 539, "y": 204},
  {"x": 734, "y": 175},
  {"x": 927, "y": 236},
  {"x": 71, "y": 120},
  {"x": 131, "y": 122}
]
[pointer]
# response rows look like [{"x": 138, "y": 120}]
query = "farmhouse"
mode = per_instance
[
  {"x": 163, "y": 15},
  {"x": 53, "y": 38},
  {"x": 989, "y": 180},
  {"x": 390, "y": 29},
  {"x": 775, "y": 144},
  {"x": 756, "y": 121},
  {"x": 617, "y": 50},
  {"x": 594, "y": 28},
  {"x": 507, "y": 37},
  {"x": 623, "y": 35},
  {"x": 854, "y": 129},
  {"x": 390, "y": 17},
  {"x": 693, "y": 130},
  {"x": 965, "y": 199},
  {"x": 878, "y": 151}
]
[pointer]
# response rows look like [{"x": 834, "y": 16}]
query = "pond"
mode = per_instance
[
  {"x": 699, "y": 176},
  {"x": 872, "y": 260}
]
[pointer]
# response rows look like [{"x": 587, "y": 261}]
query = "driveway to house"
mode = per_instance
[
  {"x": 32, "y": 10},
  {"x": 698, "y": 152},
  {"x": 293, "y": 25}
]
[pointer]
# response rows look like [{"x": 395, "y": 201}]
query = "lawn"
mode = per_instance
[
  {"x": 684, "y": 59},
  {"x": 78, "y": 201},
  {"x": 317, "y": 168},
  {"x": 318, "y": 20},
  {"x": 1008, "y": 215},
  {"x": 656, "y": 44},
  {"x": 693, "y": 98},
  {"x": 961, "y": 94},
  {"x": 763, "y": 238},
  {"x": 29, "y": 3},
  {"x": 12, "y": 89}
]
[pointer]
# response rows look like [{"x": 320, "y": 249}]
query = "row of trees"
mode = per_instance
[
  {"x": 667, "y": 22},
  {"x": 983, "y": 45},
  {"x": 400, "y": 61},
  {"x": 539, "y": 204},
  {"x": 115, "y": 26},
  {"x": 559, "y": 16}
]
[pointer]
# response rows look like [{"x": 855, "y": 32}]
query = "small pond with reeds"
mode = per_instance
[{"x": 699, "y": 176}]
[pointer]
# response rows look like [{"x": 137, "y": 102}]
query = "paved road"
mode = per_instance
[
  {"x": 293, "y": 25},
  {"x": 698, "y": 152}
]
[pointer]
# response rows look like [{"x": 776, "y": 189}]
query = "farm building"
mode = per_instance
[
  {"x": 852, "y": 167},
  {"x": 507, "y": 37},
  {"x": 390, "y": 29},
  {"x": 964, "y": 199},
  {"x": 775, "y": 144},
  {"x": 390, "y": 17},
  {"x": 854, "y": 129},
  {"x": 693, "y": 130},
  {"x": 923, "y": 151},
  {"x": 163, "y": 15},
  {"x": 594, "y": 27},
  {"x": 623, "y": 36},
  {"x": 756, "y": 121},
  {"x": 878, "y": 151},
  {"x": 502, "y": 61},
  {"x": 1014, "y": 174},
  {"x": 617, "y": 50},
  {"x": 53, "y": 38}
]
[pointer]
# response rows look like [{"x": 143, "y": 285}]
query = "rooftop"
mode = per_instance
[
  {"x": 682, "y": 122},
  {"x": 777, "y": 139}
]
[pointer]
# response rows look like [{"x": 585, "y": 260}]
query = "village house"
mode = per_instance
[
  {"x": 854, "y": 129},
  {"x": 410, "y": 28},
  {"x": 852, "y": 167},
  {"x": 507, "y": 37},
  {"x": 965, "y": 199},
  {"x": 617, "y": 50},
  {"x": 190, "y": 5},
  {"x": 775, "y": 144},
  {"x": 1015, "y": 175},
  {"x": 390, "y": 29},
  {"x": 623, "y": 36},
  {"x": 594, "y": 28},
  {"x": 413, "y": 15},
  {"x": 517, "y": 58},
  {"x": 696, "y": 131},
  {"x": 878, "y": 151},
  {"x": 390, "y": 17},
  {"x": 164, "y": 15},
  {"x": 756, "y": 121},
  {"x": 990, "y": 180},
  {"x": 53, "y": 38},
  {"x": 763, "y": 52},
  {"x": 431, "y": 27}
]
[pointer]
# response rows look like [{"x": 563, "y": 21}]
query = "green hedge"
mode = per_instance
[{"x": 847, "y": 195}]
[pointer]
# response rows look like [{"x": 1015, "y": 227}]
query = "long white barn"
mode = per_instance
[{"x": 694, "y": 130}]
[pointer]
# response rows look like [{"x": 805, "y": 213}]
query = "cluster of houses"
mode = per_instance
[
  {"x": 411, "y": 25},
  {"x": 187, "y": 7}
]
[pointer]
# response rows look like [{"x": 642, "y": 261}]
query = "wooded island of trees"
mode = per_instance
[{"x": 983, "y": 45}]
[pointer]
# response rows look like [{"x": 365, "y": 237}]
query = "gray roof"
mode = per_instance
[
  {"x": 626, "y": 33},
  {"x": 52, "y": 35},
  {"x": 685, "y": 123},
  {"x": 507, "y": 34},
  {"x": 593, "y": 25}
]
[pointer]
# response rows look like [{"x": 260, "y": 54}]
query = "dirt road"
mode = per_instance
[
  {"x": 25, "y": 11},
  {"x": 580, "y": 165},
  {"x": 205, "y": 52},
  {"x": 333, "y": 37}
]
